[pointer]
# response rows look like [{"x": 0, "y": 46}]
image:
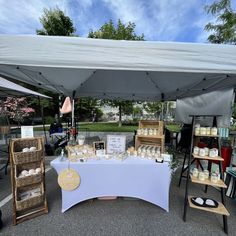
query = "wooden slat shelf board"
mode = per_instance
[
  {"x": 219, "y": 210},
  {"x": 151, "y": 136},
  {"x": 218, "y": 158},
  {"x": 208, "y": 135},
  {"x": 219, "y": 183}
]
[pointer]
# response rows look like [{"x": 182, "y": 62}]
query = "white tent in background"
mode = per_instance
[
  {"x": 134, "y": 70},
  {"x": 8, "y": 88}
]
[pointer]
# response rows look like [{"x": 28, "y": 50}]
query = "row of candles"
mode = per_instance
[
  {"x": 147, "y": 132},
  {"x": 213, "y": 152},
  {"x": 203, "y": 175}
]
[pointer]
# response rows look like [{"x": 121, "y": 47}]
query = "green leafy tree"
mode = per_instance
[
  {"x": 120, "y": 31},
  {"x": 153, "y": 108},
  {"x": 55, "y": 22},
  {"x": 137, "y": 112},
  {"x": 224, "y": 28},
  {"x": 88, "y": 109}
]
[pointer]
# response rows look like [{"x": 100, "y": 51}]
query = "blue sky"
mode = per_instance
[{"x": 160, "y": 20}]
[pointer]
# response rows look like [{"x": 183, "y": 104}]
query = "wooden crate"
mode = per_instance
[
  {"x": 158, "y": 141},
  {"x": 154, "y": 140},
  {"x": 153, "y": 124}
]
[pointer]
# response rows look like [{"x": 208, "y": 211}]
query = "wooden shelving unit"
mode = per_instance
[
  {"x": 154, "y": 140},
  {"x": 35, "y": 205},
  {"x": 221, "y": 209}
]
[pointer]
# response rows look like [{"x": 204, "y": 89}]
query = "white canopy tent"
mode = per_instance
[
  {"x": 132, "y": 70},
  {"x": 8, "y": 88}
]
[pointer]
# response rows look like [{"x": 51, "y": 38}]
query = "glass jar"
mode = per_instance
[
  {"x": 80, "y": 140},
  {"x": 202, "y": 152},
  {"x": 195, "y": 172},
  {"x": 196, "y": 150},
  {"x": 206, "y": 173},
  {"x": 154, "y": 131},
  {"x": 197, "y": 130},
  {"x": 201, "y": 176},
  {"x": 72, "y": 141},
  {"x": 206, "y": 151},
  {"x": 214, "y": 178},
  {"x": 139, "y": 132},
  {"x": 203, "y": 131},
  {"x": 208, "y": 130},
  {"x": 150, "y": 132},
  {"x": 212, "y": 152},
  {"x": 214, "y": 131},
  {"x": 145, "y": 132}
]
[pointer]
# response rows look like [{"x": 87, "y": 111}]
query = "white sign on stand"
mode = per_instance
[
  {"x": 116, "y": 143},
  {"x": 27, "y": 131}
]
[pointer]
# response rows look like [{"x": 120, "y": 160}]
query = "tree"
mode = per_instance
[
  {"x": 88, "y": 109},
  {"x": 153, "y": 108},
  {"x": 224, "y": 29},
  {"x": 16, "y": 108},
  {"x": 118, "y": 32},
  {"x": 55, "y": 22}
]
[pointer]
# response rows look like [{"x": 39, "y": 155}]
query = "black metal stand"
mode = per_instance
[{"x": 1, "y": 223}]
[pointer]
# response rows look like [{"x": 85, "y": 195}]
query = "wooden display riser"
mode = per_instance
[
  {"x": 157, "y": 141},
  {"x": 220, "y": 183},
  {"x": 218, "y": 158},
  {"x": 219, "y": 210}
]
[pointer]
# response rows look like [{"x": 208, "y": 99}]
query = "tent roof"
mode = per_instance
[
  {"x": 8, "y": 88},
  {"x": 134, "y": 70}
]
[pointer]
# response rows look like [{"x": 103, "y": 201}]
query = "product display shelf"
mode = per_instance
[
  {"x": 220, "y": 183},
  {"x": 153, "y": 140},
  {"x": 221, "y": 209},
  {"x": 35, "y": 205},
  {"x": 206, "y": 135},
  {"x": 218, "y": 158}
]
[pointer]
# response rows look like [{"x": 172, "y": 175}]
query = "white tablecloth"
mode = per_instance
[{"x": 134, "y": 177}]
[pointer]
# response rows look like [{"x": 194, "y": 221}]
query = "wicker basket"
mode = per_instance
[
  {"x": 31, "y": 201},
  {"x": 20, "y": 157},
  {"x": 33, "y": 179}
]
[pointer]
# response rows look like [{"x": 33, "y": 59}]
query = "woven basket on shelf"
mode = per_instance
[
  {"x": 29, "y": 202},
  {"x": 20, "y": 157},
  {"x": 32, "y": 179}
]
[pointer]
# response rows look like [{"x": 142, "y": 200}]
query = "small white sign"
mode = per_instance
[
  {"x": 116, "y": 143},
  {"x": 27, "y": 131}
]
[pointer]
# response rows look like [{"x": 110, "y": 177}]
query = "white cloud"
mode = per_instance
[
  {"x": 159, "y": 20},
  {"x": 22, "y": 16}
]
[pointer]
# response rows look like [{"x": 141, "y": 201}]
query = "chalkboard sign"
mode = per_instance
[
  {"x": 116, "y": 143},
  {"x": 99, "y": 147}
]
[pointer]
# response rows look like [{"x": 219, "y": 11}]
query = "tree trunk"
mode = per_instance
[{"x": 120, "y": 119}]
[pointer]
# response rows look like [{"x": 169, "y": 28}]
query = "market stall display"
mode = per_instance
[{"x": 27, "y": 178}]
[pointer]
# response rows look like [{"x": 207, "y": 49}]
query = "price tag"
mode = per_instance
[
  {"x": 99, "y": 148},
  {"x": 27, "y": 132},
  {"x": 116, "y": 143}
]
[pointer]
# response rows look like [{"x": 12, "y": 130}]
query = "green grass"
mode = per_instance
[
  {"x": 101, "y": 127},
  {"x": 107, "y": 127}
]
